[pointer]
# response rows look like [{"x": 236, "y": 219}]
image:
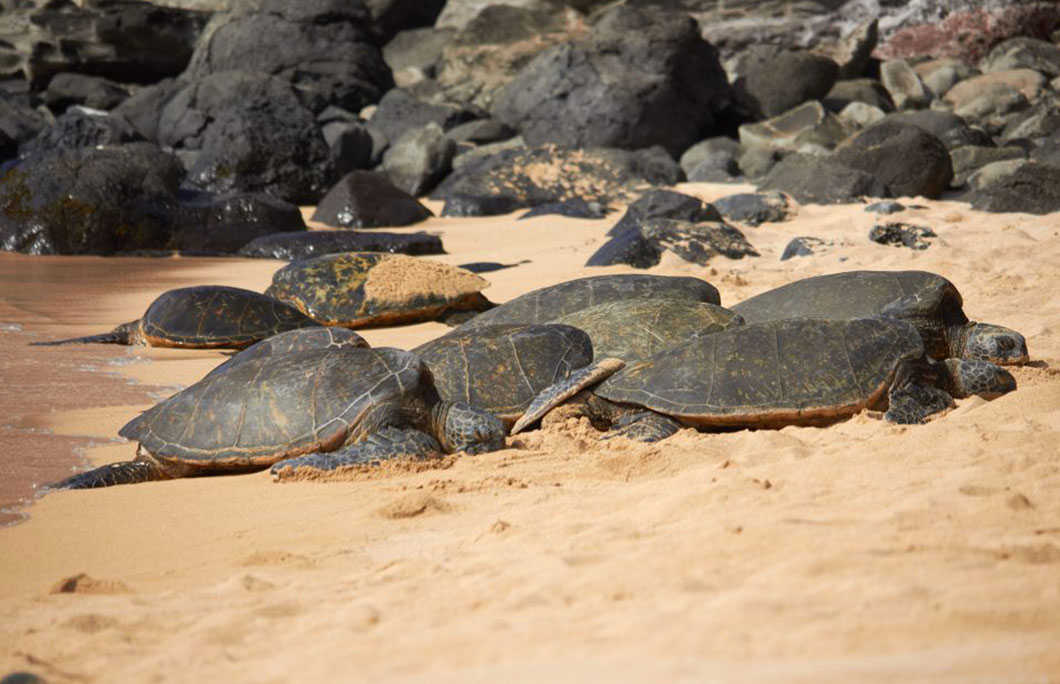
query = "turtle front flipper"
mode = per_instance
[
  {"x": 380, "y": 446},
  {"x": 644, "y": 426},
  {"x": 914, "y": 403},
  {"x": 126, "y": 333},
  {"x": 963, "y": 378},
  {"x": 558, "y": 392},
  {"x": 123, "y": 472}
]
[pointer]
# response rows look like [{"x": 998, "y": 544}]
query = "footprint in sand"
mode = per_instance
[
  {"x": 414, "y": 505},
  {"x": 274, "y": 558},
  {"x": 83, "y": 584},
  {"x": 90, "y": 623}
]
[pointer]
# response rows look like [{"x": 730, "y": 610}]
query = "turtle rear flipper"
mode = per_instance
[
  {"x": 381, "y": 446},
  {"x": 644, "y": 426},
  {"x": 126, "y": 333},
  {"x": 558, "y": 392},
  {"x": 123, "y": 472}
]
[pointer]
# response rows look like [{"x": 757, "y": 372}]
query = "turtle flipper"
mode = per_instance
[
  {"x": 963, "y": 378},
  {"x": 383, "y": 445},
  {"x": 123, "y": 334},
  {"x": 558, "y": 392},
  {"x": 123, "y": 472},
  {"x": 644, "y": 426},
  {"x": 913, "y": 403}
]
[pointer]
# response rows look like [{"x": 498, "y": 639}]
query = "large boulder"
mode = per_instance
[
  {"x": 819, "y": 180},
  {"x": 89, "y": 200},
  {"x": 908, "y": 159},
  {"x": 210, "y": 225},
  {"x": 80, "y": 127},
  {"x": 264, "y": 146},
  {"x": 638, "y": 79},
  {"x": 400, "y": 112},
  {"x": 951, "y": 129},
  {"x": 66, "y": 89},
  {"x": 20, "y": 122},
  {"x": 775, "y": 82},
  {"x": 323, "y": 46},
  {"x": 363, "y": 199},
  {"x": 1033, "y": 188}
]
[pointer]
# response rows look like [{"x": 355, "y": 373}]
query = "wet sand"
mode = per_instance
[{"x": 858, "y": 552}]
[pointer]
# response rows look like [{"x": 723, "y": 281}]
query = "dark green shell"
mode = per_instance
[
  {"x": 355, "y": 289},
  {"x": 215, "y": 316},
  {"x": 275, "y": 407},
  {"x": 634, "y": 329},
  {"x": 550, "y": 303},
  {"x": 926, "y": 300},
  {"x": 501, "y": 368},
  {"x": 781, "y": 372},
  {"x": 295, "y": 341}
]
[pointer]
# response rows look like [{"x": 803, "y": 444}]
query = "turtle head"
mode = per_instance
[
  {"x": 465, "y": 428},
  {"x": 994, "y": 343},
  {"x": 964, "y": 377}
]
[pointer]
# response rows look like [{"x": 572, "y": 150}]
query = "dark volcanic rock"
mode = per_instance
[
  {"x": 399, "y": 112},
  {"x": 946, "y": 126},
  {"x": 143, "y": 109},
  {"x": 907, "y": 158},
  {"x": 665, "y": 204},
  {"x": 122, "y": 40},
  {"x": 82, "y": 128},
  {"x": 322, "y": 46},
  {"x": 643, "y": 245},
  {"x": 352, "y": 145},
  {"x": 363, "y": 199},
  {"x": 264, "y": 146},
  {"x": 754, "y": 209},
  {"x": 804, "y": 246},
  {"x": 391, "y": 16},
  {"x": 816, "y": 180},
  {"x": 419, "y": 159},
  {"x": 300, "y": 245},
  {"x": 19, "y": 121},
  {"x": 717, "y": 153},
  {"x": 89, "y": 200},
  {"x": 777, "y": 82},
  {"x": 490, "y": 266},
  {"x": 655, "y": 165},
  {"x": 902, "y": 235},
  {"x": 218, "y": 225},
  {"x": 539, "y": 175},
  {"x": 885, "y": 207},
  {"x": 638, "y": 79},
  {"x": 78, "y": 89},
  {"x": 572, "y": 208},
  {"x": 473, "y": 205},
  {"x": 1034, "y": 188},
  {"x": 866, "y": 90},
  {"x": 481, "y": 132}
]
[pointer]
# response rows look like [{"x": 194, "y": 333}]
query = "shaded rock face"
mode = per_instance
[
  {"x": 1033, "y": 188},
  {"x": 419, "y": 159},
  {"x": 18, "y": 121},
  {"x": 82, "y": 128},
  {"x": 754, "y": 209},
  {"x": 816, "y": 180},
  {"x": 123, "y": 40},
  {"x": 805, "y": 246},
  {"x": 89, "y": 200},
  {"x": 391, "y": 16},
  {"x": 638, "y": 79},
  {"x": 908, "y": 159},
  {"x": 264, "y": 146},
  {"x": 472, "y": 205},
  {"x": 946, "y": 126},
  {"x": 65, "y": 90},
  {"x": 301, "y": 245},
  {"x": 665, "y": 204},
  {"x": 322, "y": 46},
  {"x": 540, "y": 175},
  {"x": 643, "y": 246},
  {"x": 399, "y": 113},
  {"x": 363, "y": 199},
  {"x": 220, "y": 225},
  {"x": 776, "y": 83}
]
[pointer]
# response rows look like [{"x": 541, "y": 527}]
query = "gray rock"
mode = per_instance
[
  {"x": 20, "y": 122},
  {"x": 998, "y": 83},
  {"x": 80, "y": 127},
  {"x": 301, "y": 245},
  {"x": 939, "y": 75},
  {"x": 399, "y": 113},
  {"x": 908, "y": 159},
  {"x": 665, "y": 204},
  {"x": 643, "y": 245},
  {"x": 655, "y": 165},
  {"x": 481, "y": 132},
  {"x": 390, "y": 17},
  {"x": 947, "y": 127},
  {"x": 419, "y": 159},
  {"x": 906, "y": 89},
  {"x": 816, "y": 180},
  {"x": 572, "y": 208},
  {"x": 805, "y": 246},
  {"x": 808, "y": 127},
  {"x": 472, "y": 205},
  {"x": 212, "y": 225},
  {"x": 864, "y": 90},
  {"x": 1023, "y": 53},
  {"x": 902, "y": 235},
  {"x": 638, "y": 79},
  {"x": 417, "y": 49},
  {"x": 781, "y": 81},
  {"x": 885, "y": 207},
  {"x": 970, "y": 158},
  {"x": 991, "y": 174},
  {"x": 754, "y": 209},
  {"x": 756, "y": 162},
  {"x": 718, "y": 152},
  {"x": 1040, "y": 121},
  {"x": 1033, "y": 188},
  {"x": 363, "y": 199},
  {"x": 858, "y": 115},
  {"x": 352, "y": 145},
  {"x": 69, "y": 89}
]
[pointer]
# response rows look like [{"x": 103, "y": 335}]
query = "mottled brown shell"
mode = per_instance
[
  {"x": 634, "y": 329},
  {"x": 550, "y": 303},
  {"x": 926, "y": 300},
  {"x": 276, "y": 407},
  {"x": 781, "y": 372},
  {"x": 215, "y": 316},
  {"x": 501, "y": 368},
  {"x": 355, "y": 289}
]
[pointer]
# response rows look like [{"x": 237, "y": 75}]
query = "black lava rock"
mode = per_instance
[
  {"x": 665, "y": 204},
  {"x": 208, "y": 225},
  {"x": 902, "y": 235},
  {"x": 400, "y": 112},
  {"x": 885, "y": 207},
  {"x": 818, "y": 180},
  {"x": 907, "y": 158},
  {"x": 779, "y": 82},
  {"x": 473, "y": 205},
  {"x": 754, "y": 209},
  {"x": 803, "y": 246},
  {"x": 1034, "y": 189},
  {"x": 300, "y": 245},
  {"x": 65, "y": 90},
  {"x": 82, "y": 128},
  {"x": 643, "y": 245},
  {"x": 572, "y": 208},
  {"x": 363, "y": 199}
]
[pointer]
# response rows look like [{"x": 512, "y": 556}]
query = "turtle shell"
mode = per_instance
[
  {"x": 215, "y": 316},
  {"x": 501, "y": 368},
  {"x": 634, "y": 329},
  {"x": 927, "y": 300},
  {"x": 275, "y": 407},
  {"x": 355, "y": 289},
  {"x": 295, "y": 341},
  {"x": 549, "y": 303},
  {"x": 799, "y": 371}
]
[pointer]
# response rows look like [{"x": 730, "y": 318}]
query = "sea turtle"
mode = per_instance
[
  {"x": 549, "y": 303},
  {"x": 304, "y": 411},
  {"x": 787, "y": 372},
  {"x": 358, "y": 289},
  {"x": 634, "y": 329},
  {"x": 502, "y": 368},
  {"x": 927, "y": 300},
  {"x": 300, "y": 340},
  {"x": 204, "y": 317}
]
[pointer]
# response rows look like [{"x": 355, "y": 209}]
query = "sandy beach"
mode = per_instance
[{"x": 858, "y": 552}]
